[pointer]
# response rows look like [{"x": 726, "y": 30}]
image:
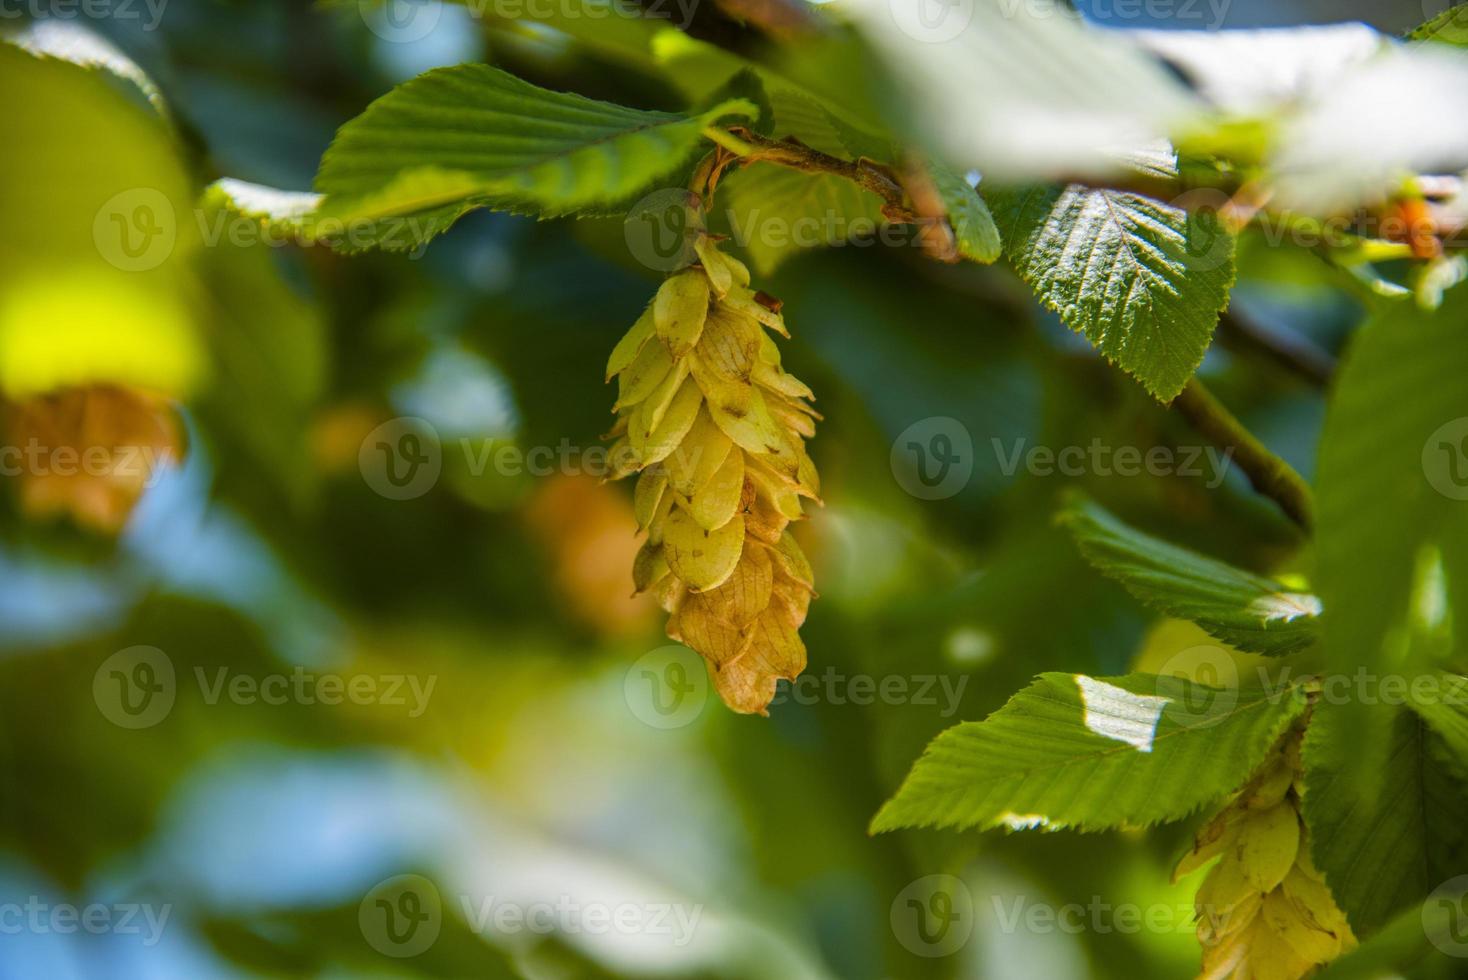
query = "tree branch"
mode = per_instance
[
  {"x": 908, "y": 197},
  {"x": 1267, "y": 473},
  {"x": 867, "y": 174},
  {"x": 1292, "y": 352}
]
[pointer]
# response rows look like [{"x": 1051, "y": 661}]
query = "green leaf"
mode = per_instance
[
  {"x": 97, "y": 237},
  {"x": 1355, "y": 139},
  {"x": 1444, "y": 706},
  {"x": 602, "y": 26},
  {"x": 807, "y": 120},
  {"x": 1449, "y": 27},
  {"x": 1382, "y": 851},
  {"x": 1345, "y": 112},
  {"x": 819, "y": 71},
  {"x": 973, "y": 225},
  {"x": 1144, "y": 281},
  {"x": 1391, "y": 452},
  {"x": 817, "y": 125},
  {"x": 746, "y": 84},
  {"x": 271, "y": 360},
  {"x": 1455, "y": 571},
  {"x": 1244, "y": 610},
  {"x": 775, "y": 213},
  {"x": 472, "y": 136},
  {"x": 1074, "y": 751},
  {"x": 1022, "y": 91},
  {"x": 1255, "y": 73},
  {"x": 70, "y": 41},
  {"x": 282, "y": 215}
]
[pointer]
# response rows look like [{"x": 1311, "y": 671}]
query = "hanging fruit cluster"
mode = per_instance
[
  {"x": 1264, "y": 911},
  {"x": 717, "y": 429},
  {"x": 89, "y": 452}
]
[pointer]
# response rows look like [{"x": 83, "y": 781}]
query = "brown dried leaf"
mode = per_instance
[{"x": 740, "y": 600}]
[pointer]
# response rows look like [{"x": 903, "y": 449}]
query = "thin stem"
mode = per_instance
[
  {"x": 1267, "y": 473},
  {"x": 1289, "y": 350},
  {"x": 869, "y": 175},
  {"x": 728, "y": 140}
]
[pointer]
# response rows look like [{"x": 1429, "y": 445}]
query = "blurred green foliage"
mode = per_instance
[{"x": 529, "y": 775}]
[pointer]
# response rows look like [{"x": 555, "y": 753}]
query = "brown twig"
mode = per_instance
[
  {"x": 1267, "y": 473},
  {"x": 908, "y": 197},
  {"x": 867, "y": 174}
]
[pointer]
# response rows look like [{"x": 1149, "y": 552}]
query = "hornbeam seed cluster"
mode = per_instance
[
  {"x": 1264, "y": 911},
  {"x": 88, "y": 453},
  {"x": 717, "y": 429}
]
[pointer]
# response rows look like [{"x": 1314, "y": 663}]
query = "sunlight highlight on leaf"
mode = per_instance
[{"x": 1113, "y": 712}]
